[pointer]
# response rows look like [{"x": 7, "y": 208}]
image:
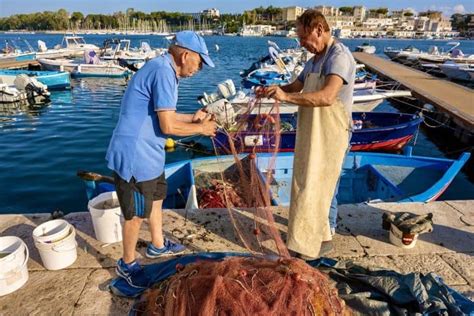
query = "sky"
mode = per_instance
[{"x": 10, "y": 7}]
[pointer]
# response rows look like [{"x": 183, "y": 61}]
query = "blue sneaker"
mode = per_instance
[
  {"x": 170, "y": 248},
  {"x": 127, "y": 271}
]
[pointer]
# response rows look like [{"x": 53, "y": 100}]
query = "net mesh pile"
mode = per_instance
[
  {"x": 253, "y": 285},
  {"x": 244, "y": 286}
]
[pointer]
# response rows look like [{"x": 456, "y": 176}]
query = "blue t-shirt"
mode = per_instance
[
  {"x": 137, "y": 145},
  {"x": 339, "y": 61}
]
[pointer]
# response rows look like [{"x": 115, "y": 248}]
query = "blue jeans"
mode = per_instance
[{"x": 333, "y": 208}]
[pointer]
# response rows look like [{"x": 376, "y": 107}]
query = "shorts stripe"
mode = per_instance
[{"x": 142, "y": 204}]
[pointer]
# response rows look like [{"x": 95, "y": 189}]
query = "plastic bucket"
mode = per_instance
[
  {"x": 13, "y": 264},
  {"x": 106, "y": 217},
  {"x": 60, "y": 254},
  {"x": 400, "y": 239},
  {"x": 51, "y": 231}
]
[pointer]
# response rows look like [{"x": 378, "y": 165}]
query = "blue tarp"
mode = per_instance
[{"x": 365, "y": 291}]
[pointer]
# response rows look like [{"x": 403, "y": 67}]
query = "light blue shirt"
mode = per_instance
[
  {"x": 339, "y": 61},
  {"x": 136, "y": 148}
]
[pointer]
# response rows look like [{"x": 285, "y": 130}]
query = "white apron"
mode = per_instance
[{"x": 321, "y": 142}]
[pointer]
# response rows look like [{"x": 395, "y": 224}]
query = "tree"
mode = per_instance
[
  {"x": 76, "y": 19},
  {"x": 346, "y": 10},
  {"x": 408, "y": 14}
]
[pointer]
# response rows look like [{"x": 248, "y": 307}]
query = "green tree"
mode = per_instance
[
  {"x": 76, "y": 19},
  {"x": 346, "y": 10}
]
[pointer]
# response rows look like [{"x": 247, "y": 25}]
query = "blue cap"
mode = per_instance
[{"x": 192, "y": 41}]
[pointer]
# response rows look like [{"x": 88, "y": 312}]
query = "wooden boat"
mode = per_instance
[
  {"x": 366, "y": 177},
  {"x": 55, "y": 80},
  {"x": 373, "y": 131}
]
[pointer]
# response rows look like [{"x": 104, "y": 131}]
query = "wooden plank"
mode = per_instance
[
  {"x": 447, "y": 96},
  {"x": 18, "y": 64}
]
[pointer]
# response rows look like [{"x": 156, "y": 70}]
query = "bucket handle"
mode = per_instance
[
  {"x": 55, "y": 248},
  {"x": 27, "y": 256}
]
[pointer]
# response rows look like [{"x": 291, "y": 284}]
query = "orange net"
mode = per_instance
[{"x": 244, "y": 286}]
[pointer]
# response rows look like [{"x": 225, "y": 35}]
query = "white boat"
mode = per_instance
[
  {"x": 77, "y": 44},
  {"x": 92, "y": 66},
  {"x": 25, "y": 91},
  {"x": 364, "y": 100},
  {"x": 366, "y": 48},
  {"x": 45, "y": 52},
  {"x": 13, "y": 53},
  {"x": 121, "y": 50},
  {"x": 455, "y": 71}
]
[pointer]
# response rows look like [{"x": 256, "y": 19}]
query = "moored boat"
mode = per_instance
[
  {"x": 366, "y": 177},
  {"x": 55, "y": 80}
]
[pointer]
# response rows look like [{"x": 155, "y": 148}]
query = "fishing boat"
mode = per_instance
[
  {"x": 24, "y": 92},
  {"x": 59, "y": 52},
  {"x": 77, "y": 45},
  {"x": 373, "y": 131},
  {"x": 120, "y": 49},
  {"x": 455, "y": 71},
  {"x": 92, "y": 66},
  {"x": 366, "y": 48},
  {"x": 366, "y": 177},
  {"x": 12, "y": 52},
  {"x": 55, "y": 80}
]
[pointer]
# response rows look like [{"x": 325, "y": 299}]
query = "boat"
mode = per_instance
[
  {"x": 366, "y": 100},
  {"x": 55, "y": 80},
  {"x": 115, "y": 49},
  {"x": 373, "y": 131},
  {"x": 59, "y": 52},
  {"x": 25, "y": 91},
  {"x": 366, "y": 48},
  {"x": 405, "y": 56},
  {"x": 455, "y": 71},
  {"x": 365, "y": 177},
  {"x": 92, "y": 66},
  {"x": 13, "y": 53},
  {"x": 77, "y": 45}
]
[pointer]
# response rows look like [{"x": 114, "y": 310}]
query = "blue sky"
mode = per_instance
[{"x": 9, "y": 7}]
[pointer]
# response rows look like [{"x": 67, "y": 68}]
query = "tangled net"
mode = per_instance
[{"x": 244, "y": 286}]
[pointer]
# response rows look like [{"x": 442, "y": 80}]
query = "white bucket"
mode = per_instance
[
  {"x": 60, "y": 254},
  {"x": 13, "y": 267},
  {"x": 401, "y": 240},
  {"x": 107, "y": 221},
  {"x": 52, "y": 231}
]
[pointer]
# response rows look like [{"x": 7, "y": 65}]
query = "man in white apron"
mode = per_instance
[{"x": 323, "y": 92}]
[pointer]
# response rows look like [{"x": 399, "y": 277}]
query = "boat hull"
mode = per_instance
[{"x": 53, "y": 79}]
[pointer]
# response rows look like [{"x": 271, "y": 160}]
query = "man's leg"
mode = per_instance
[
  {"x": 333, "y": 210},
  {"x": 130, "y": 231},
  {"x": 156, "y": 224}
]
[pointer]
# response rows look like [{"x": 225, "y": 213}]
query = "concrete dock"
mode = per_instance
[
  {"x": 81, "y": 288},
  {"x": 449, "y": 98},
  {"x": 25, "y": 64}
]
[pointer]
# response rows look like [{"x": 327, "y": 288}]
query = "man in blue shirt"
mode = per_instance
[{"x": 136, "y": 152}]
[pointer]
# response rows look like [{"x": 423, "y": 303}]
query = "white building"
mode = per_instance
[
  {"x": 360, "y": 13},
  {"x": 327, "y": 10},
  {"x": 339, "y": 22},
  {"x": 256, "y": 30},
  {"x": 290, "y": 14},
  {"x": 377, "y": 23},
  {"x": 211, "y": 13}
]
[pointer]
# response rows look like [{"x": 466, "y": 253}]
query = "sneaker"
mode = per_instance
[
  {"x": 170, "y": 248},
  {"x": 127, "y": 271}
]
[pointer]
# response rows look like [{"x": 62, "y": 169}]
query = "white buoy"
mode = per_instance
[
  {"x": 106, "y": 217},
  {"x": 13, "y": 264}
]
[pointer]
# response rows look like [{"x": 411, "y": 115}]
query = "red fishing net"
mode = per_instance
[
  {"x": 244, "y": 286},
  {"x": 254, "y": 285}
]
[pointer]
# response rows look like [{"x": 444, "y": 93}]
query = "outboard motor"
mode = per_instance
[{"x": 33, "y": 89}]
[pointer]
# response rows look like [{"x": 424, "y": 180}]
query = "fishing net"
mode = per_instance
[
  {"x": 255, "y": 285},
  {"x": 244, "y": 286}
]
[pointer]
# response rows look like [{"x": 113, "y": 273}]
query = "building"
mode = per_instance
[
  {"x": 211, "y": 13},
  {"x": 360, "y": 13},
  {"x": 328, "y": 10},
  {"x": 340, "y": 22},
  {"x": 290, "y": 14},
  {"x": 378, "y": 23},
  {"x": 256, "y": 30}
]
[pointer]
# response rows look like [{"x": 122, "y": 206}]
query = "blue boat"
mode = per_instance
[
  {"x": 55, "y": 80},
  {"x": 373, "y": 131},
  {"x": 365, "y": 177},
  {"x": 263, "y": 77}
]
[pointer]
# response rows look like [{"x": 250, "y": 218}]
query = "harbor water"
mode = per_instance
[{"x": 42, "y": 149}]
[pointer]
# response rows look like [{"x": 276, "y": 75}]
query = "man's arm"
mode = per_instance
[
  {"x": 295, "y": 86},
  {"x": 170, "y": 124},
  {"x": 324, "y": 97}
]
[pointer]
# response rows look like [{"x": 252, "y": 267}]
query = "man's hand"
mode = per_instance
[
  {"x": 274, "y": 92},
  {"x": 209, "y": 126},
  {"x": 199, "y": 116}
]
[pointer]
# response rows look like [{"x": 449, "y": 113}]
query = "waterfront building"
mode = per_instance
[
  {"x": 290, "y": 14},
  {"x": 327, "y": 10},
  {"x": 360, "y": 13}
]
